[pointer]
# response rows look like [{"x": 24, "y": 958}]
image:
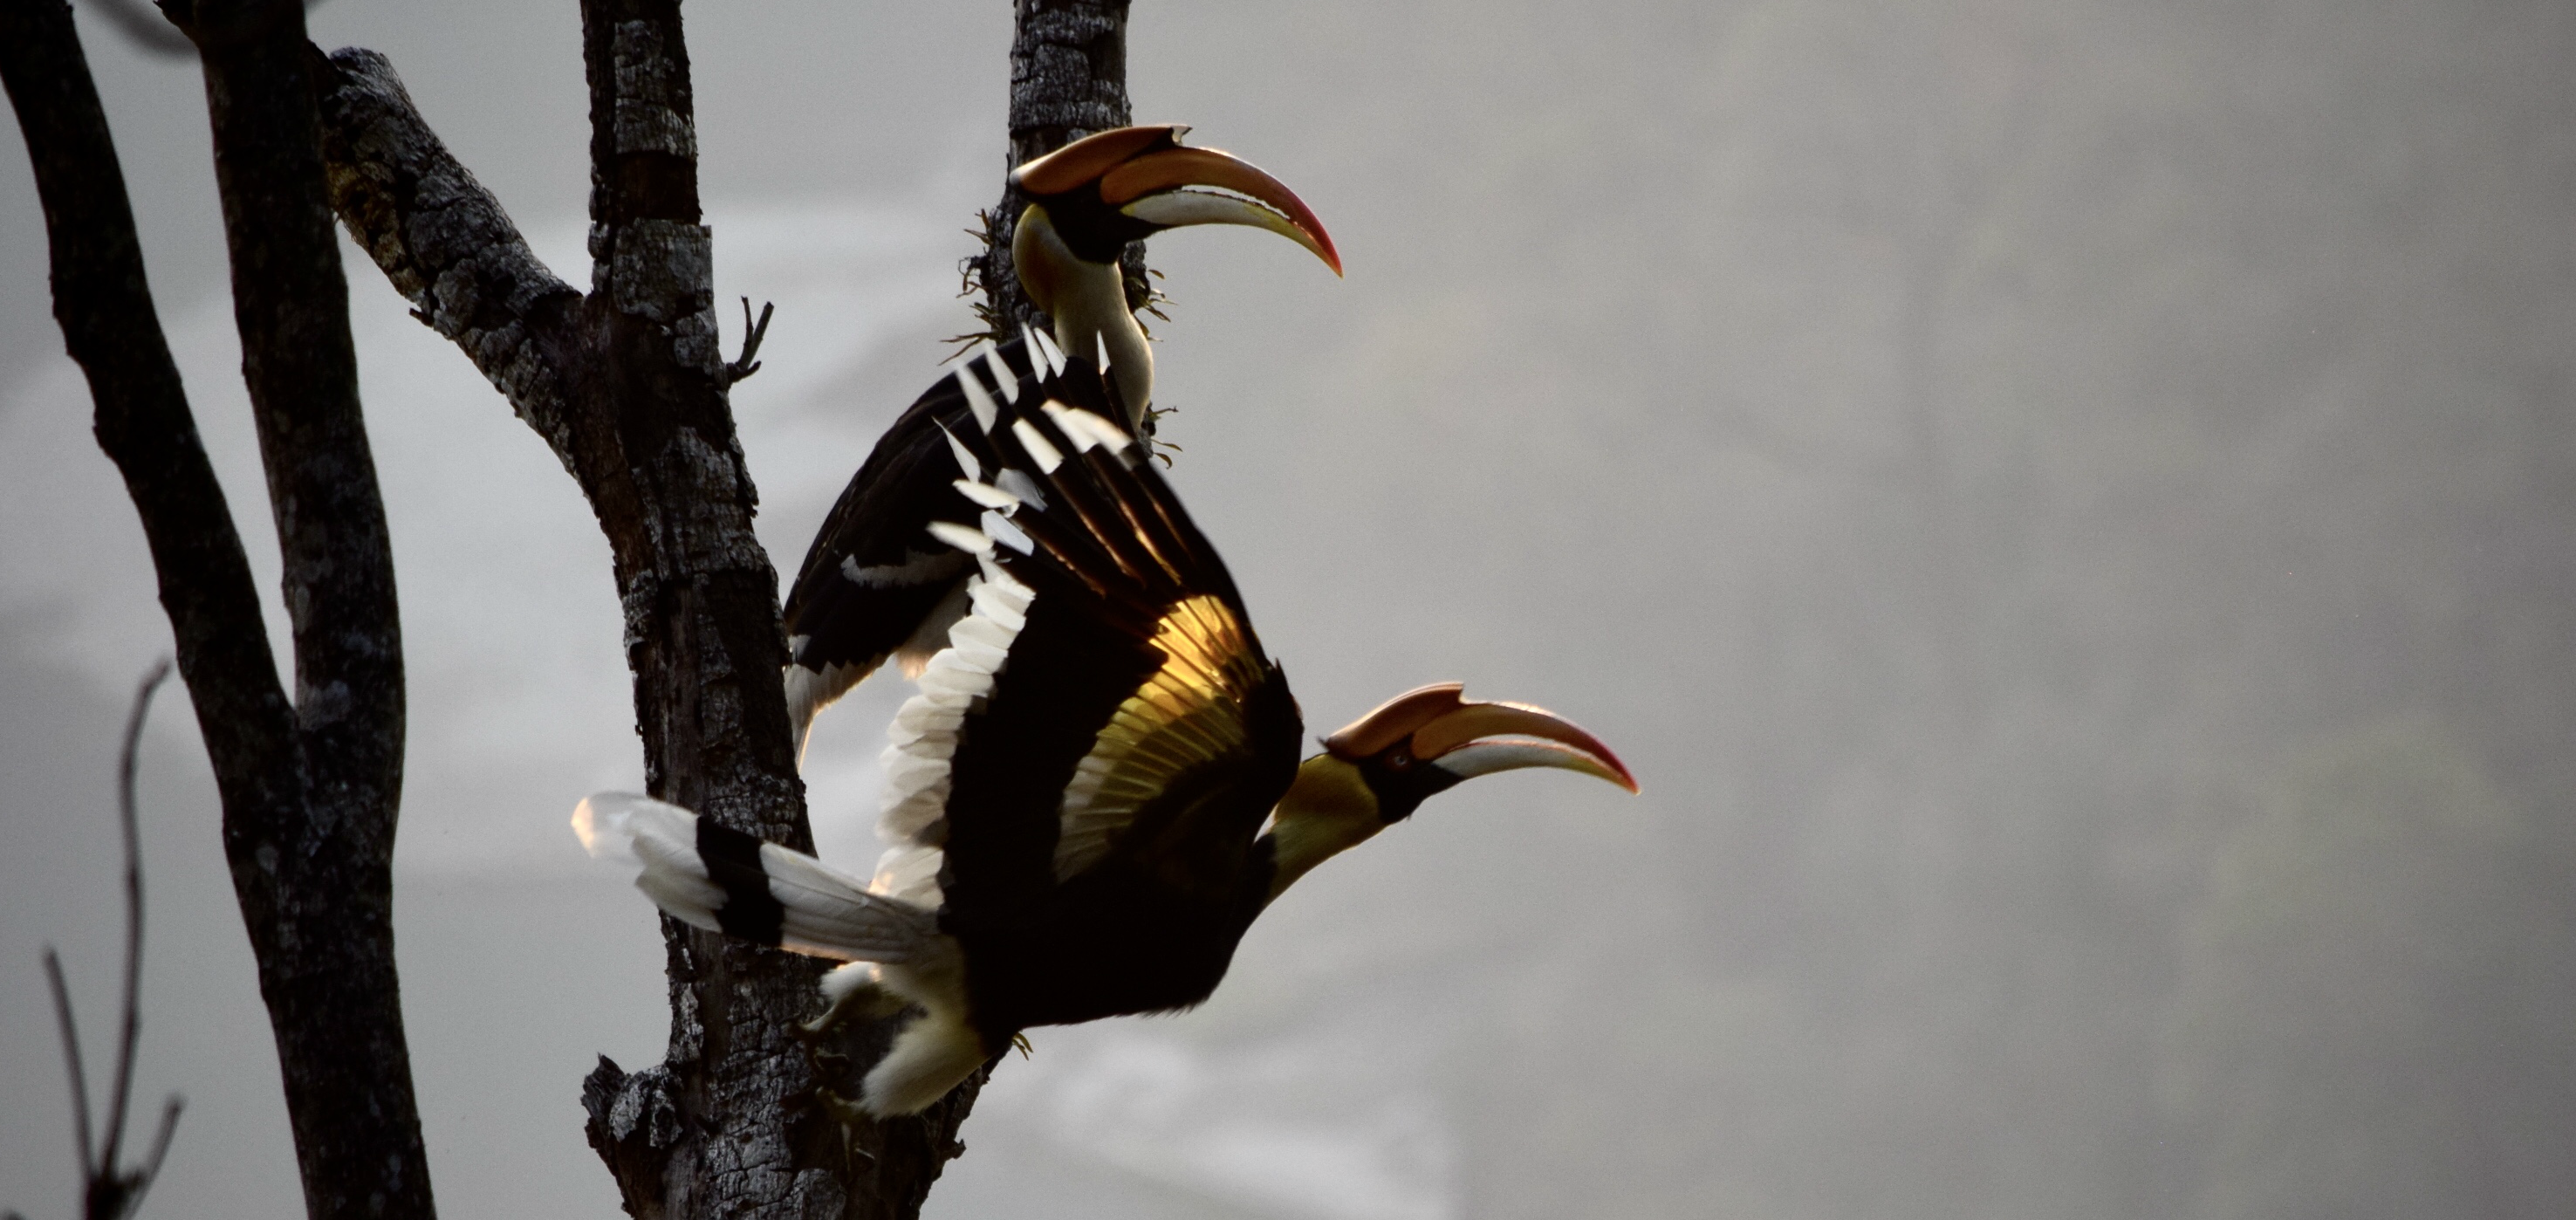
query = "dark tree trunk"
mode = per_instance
[
  {"x": 627, "y": 385},
  {"x": 704, "y": 643},
  {"x": 1068, "y": 80},
  {"x": 310, "y": 789}
]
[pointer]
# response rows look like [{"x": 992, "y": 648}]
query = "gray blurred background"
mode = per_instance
[{"x": 2069, "y": 508}]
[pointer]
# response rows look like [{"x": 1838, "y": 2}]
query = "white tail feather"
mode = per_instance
[
  {"x": 824, "y": 911},
  {"x": 831, "y": 913},
  {"x": 895, "y": 946},
  {"x": 610, "y": 822}
]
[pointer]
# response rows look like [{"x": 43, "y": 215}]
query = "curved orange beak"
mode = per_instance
[
  {"x": 1144, "y": 173},
  {"x": 1470, "y": 737}
]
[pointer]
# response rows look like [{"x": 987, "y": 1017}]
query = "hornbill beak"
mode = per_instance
[
  {"x": 1470, "y": 737},
  {"x": 1381, "y": 768},
  {"x": 1144, "y": 174}
]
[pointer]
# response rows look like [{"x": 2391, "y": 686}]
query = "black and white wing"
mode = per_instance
[
  {"x": 1105, "y": 694},
  {"x": 724, "y": 880},
  {"x": 875, "y": 585}
]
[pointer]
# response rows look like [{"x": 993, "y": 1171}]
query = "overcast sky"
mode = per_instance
[{"x": 2068, "y": 509}]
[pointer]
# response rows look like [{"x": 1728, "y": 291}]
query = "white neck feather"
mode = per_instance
[{"x": 1089, "y": 303}]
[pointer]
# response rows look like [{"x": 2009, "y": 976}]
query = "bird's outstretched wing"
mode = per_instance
[
  {"x": 1104, "y": 697},
  {"x": 875, "y": 585}
]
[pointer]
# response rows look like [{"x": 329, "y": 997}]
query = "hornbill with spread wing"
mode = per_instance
[
  {"x": 873, "y": 585},
  {"x": 1097, "y": 788}
]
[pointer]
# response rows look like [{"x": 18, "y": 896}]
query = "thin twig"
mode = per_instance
[
  {"x": 127, "y": 759},
  {"x": 108, "y": 1192},
  {"x": 71, "y": 1058},
  {"x": 160, "y": 1146},
  {"x": 746, "y": 366}
]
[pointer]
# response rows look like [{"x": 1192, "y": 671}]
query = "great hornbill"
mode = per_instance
[
  {"x": 873, "y": 585},
  {"x": 1097, "y": 788}
]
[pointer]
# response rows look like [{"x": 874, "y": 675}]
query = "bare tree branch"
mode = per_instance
[
  {"x": 446, "y": 244},
  {"x": 628, "y": 387},
  {"x": 753, "y": 332},
  {"x": 70, "y": 1032},
  {"x": 300, "y": 364},
  {"x": 143, "y": 422},
  {"x": 128, "y": 755},
  {"x": 151, "y": 1169},
  {"x": 314, "y": 875},
  {"x": 309, "y": 790},
  {"x": 1068, "y": 80},
  {"x": 704, "y": 642},
  {"x": 107, "y": 1191}
]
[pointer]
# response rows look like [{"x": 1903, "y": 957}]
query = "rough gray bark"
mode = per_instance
[
  {"x": 309, "y": 788},
  {"x": 1068, "y": 80},
  {"x": 627, "y": 386}
]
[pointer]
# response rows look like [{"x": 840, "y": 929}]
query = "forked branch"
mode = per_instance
[
  {"x": 309, "y": 786},
  {"x": 110, "y": 1190},
  {"x": 753, "y": 332},
  {"x": 627, "y": 384}
]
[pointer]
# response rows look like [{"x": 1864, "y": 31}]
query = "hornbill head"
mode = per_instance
[
  {"x": 1378, "y": 769},
  {"x": 1090, "y": 198}
]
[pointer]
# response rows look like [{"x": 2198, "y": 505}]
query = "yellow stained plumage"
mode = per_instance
[{"x": 1185, "y": 714}]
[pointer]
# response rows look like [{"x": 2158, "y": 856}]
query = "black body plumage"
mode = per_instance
[
  {"x": 1077, "y": 794},
  {"x": 1097, "y": 788},
  {"x": 1152, "y": 922},
  {"x": 873, "y": 574},
  {"x": 873, "y": 579}
]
